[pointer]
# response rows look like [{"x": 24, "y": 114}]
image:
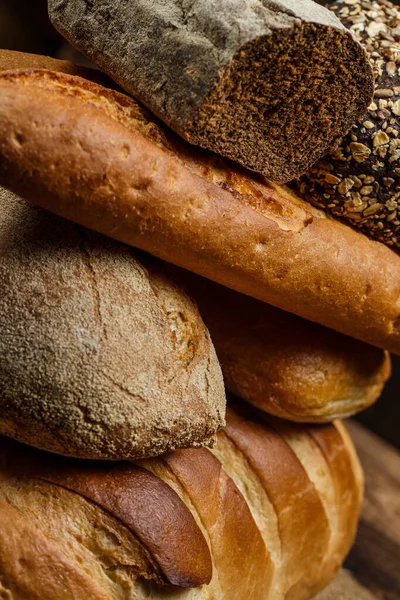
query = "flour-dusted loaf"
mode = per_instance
[
  {"x": 95, "y": 157},
  {"x": 360, "y": 179},
  {"x": 101, "y": 354},
  {"x": 268, "y": 515},
  {"x": 287, "y": 366},
  {"x": 267, "y": 83}
]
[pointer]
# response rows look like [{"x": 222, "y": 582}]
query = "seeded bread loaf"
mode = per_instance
[
  {"x": 360, "y": 180},
  {"x": 285, "y": 365},
  {"x": 101, "y": 354},
  {"x": 269, "y": 514},
  {"x": 95, "y": 157},
  {"x": 267, "y": 83}
]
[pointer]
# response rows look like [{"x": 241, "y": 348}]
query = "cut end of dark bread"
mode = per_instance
[
  {"x": 270, "y": 85},
  {"x": 283, "y": 100}
]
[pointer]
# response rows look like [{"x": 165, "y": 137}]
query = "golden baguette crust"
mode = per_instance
[
  {"x": 95, "y": 157},
  {"x": 11, "y": 59},
  {"x": 285, "y": 365},
  {"x": 277, "y": 504},
  {"x": 102, "y": 355}
]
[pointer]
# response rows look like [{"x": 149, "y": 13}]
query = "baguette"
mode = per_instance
[
  {"x": 95, "y": 157},
  {"x": 102, "y": 355},
  {"x": 267, "y": 83},
  {"x": 287, "y": 366},
  {"x": 230, "y": 524}
]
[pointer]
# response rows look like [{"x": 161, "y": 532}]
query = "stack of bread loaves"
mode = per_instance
[{"x": 123, "y": 475}]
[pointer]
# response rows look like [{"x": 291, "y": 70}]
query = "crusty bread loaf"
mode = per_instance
[
  {"x": 285, "y": 365},
  {"x": 268, "y": 515},
  {"x": 94, "y": 156},
  {"x": 268, "y": 83},
  {"x": 101, "y": 354},
  {"x": 360, "y": 179}
]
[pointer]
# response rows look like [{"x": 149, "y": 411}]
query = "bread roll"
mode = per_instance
[
  {"x": 95, "y": 157},
  {"x": 101, "y": 354},
  {"x": 285, "y": 365},
  {"x": 267, "y": 84},
  {"x": 360, "y": 179},
  {"x": 268, "y": 515}
]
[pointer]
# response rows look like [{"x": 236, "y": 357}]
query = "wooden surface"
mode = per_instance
[{"x": 374, "y": 562}]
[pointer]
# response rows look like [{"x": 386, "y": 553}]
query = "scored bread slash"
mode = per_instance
[
  {"x": 269, "y": 490},
  {"x": 96, "y": 157},
  {"x": 268, "y": 83}
]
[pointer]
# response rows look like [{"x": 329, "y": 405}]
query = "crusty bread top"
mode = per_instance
[
  {"x": 285, "y": 365},
  {"x": 276, "y": 503},
  {"x": 102, "y": 355},
  {"x": 11, "y": 59},
  {"x": 150, "y": 513},
  {"x": 109, "y": 166}
]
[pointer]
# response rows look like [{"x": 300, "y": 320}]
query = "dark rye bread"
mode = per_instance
[
  {"x": 269, "y": 514},
  {"x": 101, "y": 354},
  {"x": 269, "y": 84},
  {"x": 360, "y": 179},
  {"x": 284, "y": 365}
]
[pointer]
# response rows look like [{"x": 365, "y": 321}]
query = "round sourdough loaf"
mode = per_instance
[{"x": 101, "y": 354}]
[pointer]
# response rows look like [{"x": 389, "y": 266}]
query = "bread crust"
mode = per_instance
[
  {"x": 74, "y": 510},
  {"x": 284, "y": 365},
  {"x": 102, "y": 355},
  {"x": 112, "y": 168},
  {"x": 11, "y": 59}
]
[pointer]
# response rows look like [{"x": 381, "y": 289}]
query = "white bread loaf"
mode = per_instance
[{"x": 268, "y": 515}]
